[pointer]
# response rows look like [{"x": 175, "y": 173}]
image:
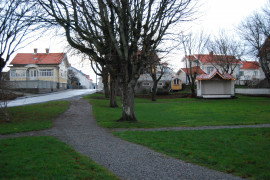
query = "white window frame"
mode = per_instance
[
  {"x": 255, "y": 73},
  {"x": 17, "y": 73},
  {"x": 210, "y": 69},
  {"x": 160, "y": 84},
  {"x": 46, "y": 72},
  {"x": 13, "y": 73},
  {"x": 242, "y": 73},
  {"x": 176, "y": 81}
]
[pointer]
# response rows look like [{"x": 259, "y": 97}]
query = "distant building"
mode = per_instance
[
  {"x": 250, "y": 72},
  {"x": 39, "y": 72},
  {"x": 168, "y": 82},
  {"x": 79, "y": 80},
  {"x": 210, "y": 62},
  {"x": 184, "y": 72}
]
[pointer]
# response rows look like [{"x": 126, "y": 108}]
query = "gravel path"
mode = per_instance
[
  {"x": 77, "y": 127},
  {"x": 191, "y": 128}
]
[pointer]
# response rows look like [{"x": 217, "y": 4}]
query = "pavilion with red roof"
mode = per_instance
[{"x": 215, "y": 85}]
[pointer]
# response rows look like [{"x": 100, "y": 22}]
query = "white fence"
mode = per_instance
[{"x": 253, "y": 91}]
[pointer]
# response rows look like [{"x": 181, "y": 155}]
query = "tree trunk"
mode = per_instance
[
  {"x": 113, "y": 91},
  {"x": 192, "y": 88},
  {"x": 127, "y": 98},
  {"x": 105, "y": 85},
  {"x": 6, "y": 114},
  {"x": 154, "y": 91},
  {"x": 2, "y": 65}
]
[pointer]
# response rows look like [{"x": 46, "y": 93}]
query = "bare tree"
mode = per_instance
[
  {"x": 16, "y": 20},
  {"x": 101, "y": 70},
  {"x": 109, "y": 75},
  {"x": 4, "y": 97},
  {"x": 117, "y": 30},
  {"x": 226, "y": 53},
  {"x": 193, "y": 44},
  {"x": 255, "y": 31},
  {"x": 156, "y": 71}
]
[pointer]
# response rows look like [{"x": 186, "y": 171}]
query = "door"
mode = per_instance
[{"x": 33, "y": 74}]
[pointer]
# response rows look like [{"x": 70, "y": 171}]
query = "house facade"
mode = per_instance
[
  {"x": 210, "y": 62},
  {"x": 38, "y": 72},
  {"x": 184, "y": 72},
  {"x": 250, "y": 72},
  {"x": 215, "y": 85}
]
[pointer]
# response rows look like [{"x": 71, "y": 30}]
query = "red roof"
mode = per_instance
[
  {"x": 193, "y": 70},
  {"x": 40, "y": 58},
  {"x": 191, "y": 57},
  {"x": 209, "y": 58},
  {"x": 250, "y": 65},
  {"x": 213, "y": 74}
]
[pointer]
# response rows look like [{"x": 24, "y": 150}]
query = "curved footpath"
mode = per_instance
[{"x": 77, "y": 127}]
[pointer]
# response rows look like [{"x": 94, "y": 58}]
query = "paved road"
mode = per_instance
[{"x": 40, "y": 98}]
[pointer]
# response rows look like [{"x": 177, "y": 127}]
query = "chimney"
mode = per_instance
[
  {"x": 211, "y": 53},
  {"x": 47, "y": 50},
  {"x": 35, "y": 50}
]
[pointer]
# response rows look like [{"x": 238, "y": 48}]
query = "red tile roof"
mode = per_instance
[
  {"x": 191, "y": 57},
  {"x": 209, "y": 58},
  {"x": 193, "y": 70},
  {"x": 213, "y": 74},
  {"x": 40, "y": 58},
  {"x": 250, "y": 65}
]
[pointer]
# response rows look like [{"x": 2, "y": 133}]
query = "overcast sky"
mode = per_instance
[{"x": 216, "y": 15}]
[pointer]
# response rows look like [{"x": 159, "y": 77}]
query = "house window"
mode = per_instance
[
  {"x": 17, "y": 73},
  {"x": 146, "y": 84},
  {"x": 209, "y": 69},
  {"x": 241, "y": 73},
  {"x": 12, "y": 73},
  {"x": 255, "y": 73},
  {"x": 176, "y": 81},
  {"x": 160, "y": 84},
  {"x": 46, "y": 72}
]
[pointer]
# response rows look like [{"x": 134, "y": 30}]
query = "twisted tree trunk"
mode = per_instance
[{"x": 113, "y": 92}]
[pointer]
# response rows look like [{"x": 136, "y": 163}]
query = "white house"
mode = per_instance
[
  {"x": 210, "y": 62},
  {"x": 184, "y": 72},
  {"x": 250, "y": 71}
]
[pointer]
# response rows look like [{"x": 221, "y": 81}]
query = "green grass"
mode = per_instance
[
  {"x": 32, "y": 117},
  {"x": 243, "y": 152},
  {"x": 185, "y": 112},
  {"x": 46, "y": 158}
]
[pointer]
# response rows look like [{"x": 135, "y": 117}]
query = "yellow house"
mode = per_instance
[
  {"x": 39, "y": 71},
  {"x": 176, "y": 84}
]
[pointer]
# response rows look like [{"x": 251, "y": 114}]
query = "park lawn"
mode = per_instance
[
  {"x": 185, "y": 112},
  {"x": 32, "y": 117},
  {"x": 243, "y": 152},
  {"x": 46, "y": 158}
]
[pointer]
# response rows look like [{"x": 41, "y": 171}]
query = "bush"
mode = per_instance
[{"x": 162, "y": 91}]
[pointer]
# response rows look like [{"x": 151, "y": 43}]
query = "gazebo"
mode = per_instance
[{"x": 215, "y": 85}]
